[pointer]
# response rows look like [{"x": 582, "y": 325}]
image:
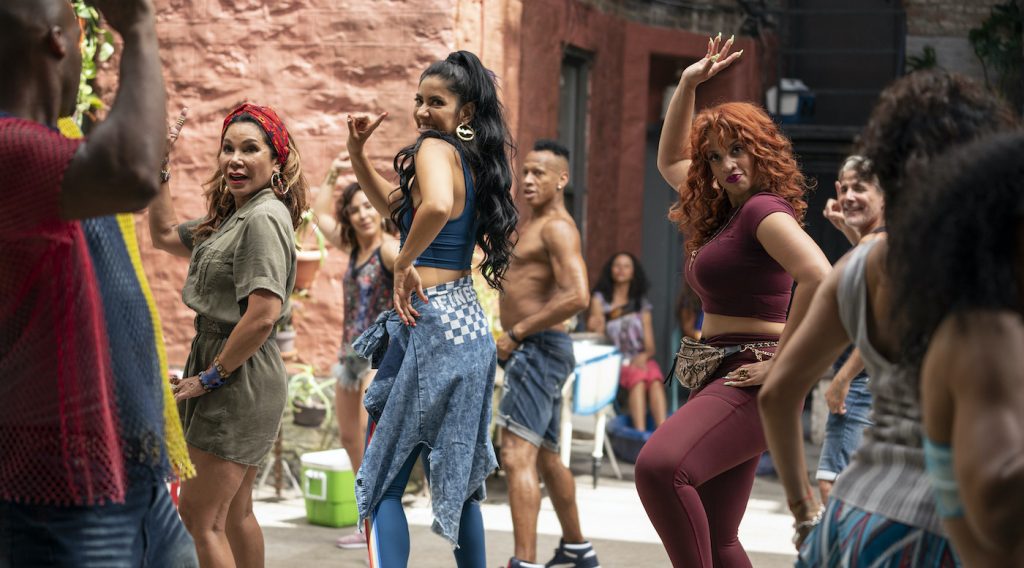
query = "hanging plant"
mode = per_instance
[{"x": 97, "y": 47}]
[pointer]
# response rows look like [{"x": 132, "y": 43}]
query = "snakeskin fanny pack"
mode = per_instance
[{"x": 695, "y": 362}]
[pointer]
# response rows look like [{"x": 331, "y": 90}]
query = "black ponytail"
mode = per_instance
[{"x": 488, "y": 156}]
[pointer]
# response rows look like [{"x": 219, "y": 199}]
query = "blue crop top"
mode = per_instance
[{"x": 452, "y": 248}]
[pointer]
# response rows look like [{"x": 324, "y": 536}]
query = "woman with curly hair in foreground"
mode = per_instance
[
  {"x": 959, "y": 247},
  {"x": 881, "y": 511},
  {"x": 741, "y": 202}
]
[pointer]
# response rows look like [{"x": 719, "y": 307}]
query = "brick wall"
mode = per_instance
[
  {"x": 317, "y": 60},
  {"x": 945, "y": 17},
  {"x": 706, "y": 18},
  {"x": 944, "y": 25},
  {"x": 313, "y": 61}
]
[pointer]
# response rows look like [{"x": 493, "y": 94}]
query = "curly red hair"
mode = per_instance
[{"x": 701, "y": 208}]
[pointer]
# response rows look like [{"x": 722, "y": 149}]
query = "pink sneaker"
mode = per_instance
[{"x": 354, "y": 540}]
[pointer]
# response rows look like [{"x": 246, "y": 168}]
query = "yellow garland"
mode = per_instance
[{"x": 177, "y": 451}]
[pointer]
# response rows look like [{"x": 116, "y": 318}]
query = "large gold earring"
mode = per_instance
[{"x": 465, "y": 132}]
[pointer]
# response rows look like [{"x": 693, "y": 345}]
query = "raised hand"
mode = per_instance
[
  {"x": 360, "y": 128},
  {"x": 175, "y": 130},
  {"x": 716, "y": 59},
  {"x": 123, "y": 14},
  {"x": 834, "y": 213}
]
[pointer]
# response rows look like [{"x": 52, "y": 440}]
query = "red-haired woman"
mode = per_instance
[{"x": 741, "y": 202}]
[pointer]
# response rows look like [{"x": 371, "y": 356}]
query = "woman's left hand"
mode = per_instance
[
  {"x": 187, "y": 388},
  {"x": 639, "y": 361},
  {"x": 407, "y": 281},
  {"x": 749, "y": 375}
]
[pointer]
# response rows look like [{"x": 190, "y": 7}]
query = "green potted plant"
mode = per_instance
[
  {"x": 308, "y": 261},
  {"x": 310, "y": 405}
]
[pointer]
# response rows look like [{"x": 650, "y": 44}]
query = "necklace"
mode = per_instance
[{"x": 693, "y": 255}]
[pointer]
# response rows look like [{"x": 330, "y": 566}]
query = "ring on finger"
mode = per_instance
[{"x": 743, "y": 374}]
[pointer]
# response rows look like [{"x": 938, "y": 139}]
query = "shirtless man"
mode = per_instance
[{"x": 536, "y": 353}]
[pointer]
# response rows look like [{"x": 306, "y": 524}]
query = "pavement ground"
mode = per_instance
[{"x": 612, "y": 518}]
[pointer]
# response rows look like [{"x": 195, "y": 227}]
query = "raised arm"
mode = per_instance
[
  {"x": 379, "y": 190},
  {"x": 163, "y": 219},
  {"x": 117, "y": 168},
  {"x": 323, "y": 206},
  {"x": 674, "y": 145}
]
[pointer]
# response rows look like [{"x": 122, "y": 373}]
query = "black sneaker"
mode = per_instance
[{"x": 574, "y": 556}]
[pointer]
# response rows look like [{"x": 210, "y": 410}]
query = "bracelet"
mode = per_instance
[
  {"x": 808, "y": 497},
  {"x": 513, "y": 337},
  {"x": 211, "y": 379},
  {"x": 803, "y": 528},
  {"x": 220, "y": 367}
]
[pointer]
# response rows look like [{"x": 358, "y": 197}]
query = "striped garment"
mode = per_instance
[
  {"x": 849, "y": 537},
  {"x": 150, "y": 427},
  {"x": 887, "y": 474}
]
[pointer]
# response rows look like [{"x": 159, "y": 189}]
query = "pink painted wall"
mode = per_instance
[{"x": 313, "y": 61}]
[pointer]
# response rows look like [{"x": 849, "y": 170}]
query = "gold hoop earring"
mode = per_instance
[{"x": 465, "y": 132}]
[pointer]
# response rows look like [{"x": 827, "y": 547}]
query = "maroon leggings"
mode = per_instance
[{"x": 695, "y": 474}]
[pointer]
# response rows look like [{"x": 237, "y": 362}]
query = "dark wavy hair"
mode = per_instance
[
  {"x": 920, "y": 116},
  {"x": 957, "y": 245},
  {"x": 488, "y": 155},
  {"x": 701, "y": 208},
  {"x": 220, "y": 204},
  {"x": 343, "y": 215},
  {"x": 638, "y": 287}
]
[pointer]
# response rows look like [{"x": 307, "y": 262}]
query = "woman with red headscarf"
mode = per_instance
[
  {"x": 741, "y": 202},
  {"x": 241, "y": 272}
]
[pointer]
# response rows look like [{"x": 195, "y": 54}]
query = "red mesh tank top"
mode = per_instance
[
  {"x": 58, "y": 424},
  {"x": 734, "y": 275}
]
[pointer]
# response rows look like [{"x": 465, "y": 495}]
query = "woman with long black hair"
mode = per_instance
[
  {"x": 436, "y": 356},
  {"x": 619, "y": 309}
]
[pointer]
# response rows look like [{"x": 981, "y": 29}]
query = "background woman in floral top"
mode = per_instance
[
  {"x": 352, "y": 225},
  {"x": 619, "y": 309}
]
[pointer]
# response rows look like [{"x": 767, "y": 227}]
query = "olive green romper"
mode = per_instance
[{"x": 253, "y": 250}]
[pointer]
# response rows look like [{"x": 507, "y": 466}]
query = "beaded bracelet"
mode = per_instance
[
  {"x": 211, "y": 379},
  {"x": 220, "y": 367},
  {"x": 803, "y": 528}
]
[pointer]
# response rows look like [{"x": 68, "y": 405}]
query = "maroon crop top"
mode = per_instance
[{"x": 734, "y": 275}]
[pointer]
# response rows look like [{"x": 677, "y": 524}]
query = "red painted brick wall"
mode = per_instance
[
  {"x": 313, "y": 61},
  {"x": 316, "y": 60},
  {"x": 622, "y": 104}
]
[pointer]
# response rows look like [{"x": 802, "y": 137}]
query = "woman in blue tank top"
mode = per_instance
[{"x": 435, "y": 355}]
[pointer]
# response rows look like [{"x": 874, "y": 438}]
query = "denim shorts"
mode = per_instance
[
  {"x": 349, "y": 371},
  {"x": 143, "y": 531},
  {"x": 843, "y": 432},
  {"x": 535, "y": 373}
]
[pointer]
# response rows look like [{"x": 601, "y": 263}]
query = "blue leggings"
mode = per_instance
[{"x": 389, "y": 533}]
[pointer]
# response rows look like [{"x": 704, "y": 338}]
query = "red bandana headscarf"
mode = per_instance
[{"x": 268, "y": 121}]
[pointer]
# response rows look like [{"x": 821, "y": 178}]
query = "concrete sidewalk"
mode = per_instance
[{"x": 612, "y": 517}]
